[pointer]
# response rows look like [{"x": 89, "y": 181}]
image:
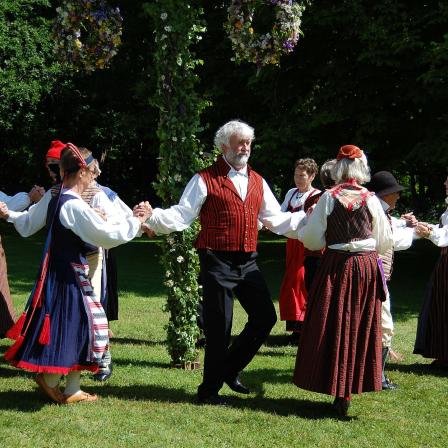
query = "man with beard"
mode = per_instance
[{"x": 230, "y": 198}]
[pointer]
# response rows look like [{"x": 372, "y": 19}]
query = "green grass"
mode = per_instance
[{"x": 146, "y": 403}]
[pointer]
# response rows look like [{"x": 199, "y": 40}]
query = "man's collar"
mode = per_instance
[
  {"x": 242, "y": 171},
  {"x": 384, "y": 204}
]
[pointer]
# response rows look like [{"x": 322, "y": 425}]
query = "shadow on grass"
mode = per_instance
[
  {"x": 134, "y": 341},
  {"x": 418, "y": 369},
  {"x": 21, "y": 401},
  {"x": 308, "y": 409},
  {"x": 141, "y": 363}
]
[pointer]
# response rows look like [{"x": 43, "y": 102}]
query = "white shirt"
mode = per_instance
[
  {"x": 81, "y": 219},
  {"x": 17, "y": 203},
  {"x": 297, "y": 200},
  {"x": 179, "y": 217},
  {"x": 313, "y": 233},
  {"x": 403, "y": 236},
  {"x": 439, "y": 235}
]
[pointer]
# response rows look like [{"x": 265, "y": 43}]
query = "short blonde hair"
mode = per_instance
[{"x": 346, "y": 169}]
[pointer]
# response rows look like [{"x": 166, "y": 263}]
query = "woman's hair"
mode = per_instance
[
  {"x": 308, "y": 165},
  {"x": 70, "y": 164},
  {"x": 346, "y": 169},
  {"x": 234, "y": 127},
  {"x": 325, "y": 173}
]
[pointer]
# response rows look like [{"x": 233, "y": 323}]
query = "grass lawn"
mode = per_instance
[{"x": 148, "y": 404}]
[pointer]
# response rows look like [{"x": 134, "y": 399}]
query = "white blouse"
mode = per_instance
[
  {"x": 81, "y": 219},
  {"x": 439, "y": 235},
  {"x": 179, "y": 217},
  {"x": 296, "y": 200},
  {"x": 17, "y": 203},
  {"x": 313, "y": 233}
]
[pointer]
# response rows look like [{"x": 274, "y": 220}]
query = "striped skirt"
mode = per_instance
[
  {"x": 432, "y": 329},
  {"x": 7, "y": 317},
  {"x": 340, "y": 348}
]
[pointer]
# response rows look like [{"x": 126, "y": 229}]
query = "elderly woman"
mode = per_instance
[
  {"x": 432, "y": 330},
  {"x": 340, "y": 350},
  {"x": 18, "y": 202},
  {"x": 65, "y": 329},
  {"x": 293, "y": 294}
]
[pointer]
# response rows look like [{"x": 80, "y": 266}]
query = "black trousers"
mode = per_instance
[{"x": 224, "y": 274}]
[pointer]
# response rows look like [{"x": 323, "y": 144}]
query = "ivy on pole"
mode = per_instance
[{"x": 178, "y": 26}]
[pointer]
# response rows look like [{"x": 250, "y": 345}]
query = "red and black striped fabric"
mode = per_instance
[
  {"x": 340, "y": 347},
  {"x": 432, "y": 329},
  {"x": 7, "y": 316},
  {"x": 227, "y": 222},
  {"x": 344, "y": 225}
]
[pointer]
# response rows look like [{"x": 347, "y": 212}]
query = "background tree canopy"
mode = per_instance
[{"x": 369, "y": 73}]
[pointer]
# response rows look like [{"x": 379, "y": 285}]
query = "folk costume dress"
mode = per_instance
[
  {"x": 64, "y": 326},
  {"x": 340, "y": 353},
  {"x": 432, "y": 329},
  {"x": 293, "y": 294},
  {"x": 18, "y": 202}
]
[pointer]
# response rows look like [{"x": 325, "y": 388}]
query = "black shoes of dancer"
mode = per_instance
[
  {"x": 213, "y": 400},
  {"x": 341, "y": 405},
  {"x": 237, "y": 386},
  {"x": 388, "y": 385},
  {"x": 104, "y": 373}
]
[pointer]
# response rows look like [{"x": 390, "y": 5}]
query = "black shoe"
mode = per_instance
[
  {"x": 341, "y": 406},
  {"x": 237, "y": 386},
  {"x": 388, "y": 385},
  {"x": 213, "y": 400},
  {"x": 103, "y": 374}
]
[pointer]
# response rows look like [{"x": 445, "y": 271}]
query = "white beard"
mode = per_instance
[{"x": 238, "y": 161}]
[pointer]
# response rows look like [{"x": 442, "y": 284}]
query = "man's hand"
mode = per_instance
[
  {"x": 423, "y": 230},
  {"x": 411, "y": 220},
  {"x": 36, "y": 193},
  {"x": 146, "y": 229},
  {"x": 143, "y": 211},
  {"x": 4, "y": 212}
]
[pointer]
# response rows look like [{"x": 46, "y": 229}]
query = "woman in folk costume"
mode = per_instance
[
  {"x": 432, "y": 330},
  {"x": 292, "y": 299},
  {"x": 340, "y": 350},
  {"x": 18, "y": 202},
  {"x": 64, "y": 329}
]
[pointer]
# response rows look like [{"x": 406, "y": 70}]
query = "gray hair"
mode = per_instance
[
  {"x": 325, "y": 173},
  {"x": 357, "y": 169},
  {"x": 234, "y": 127}
]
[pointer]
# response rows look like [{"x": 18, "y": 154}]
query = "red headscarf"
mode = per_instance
[
  {"x": 55, "y": 150},
  {"x": 349, "y": 152}
]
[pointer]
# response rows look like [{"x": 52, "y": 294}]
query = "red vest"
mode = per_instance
[{"x": 227, "y": 222}]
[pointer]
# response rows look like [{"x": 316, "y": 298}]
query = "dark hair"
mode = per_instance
[
  {"x": 70, "y": 164},
  {"x": 309, "y": 165},
  {"x": 325, "y": 173}
]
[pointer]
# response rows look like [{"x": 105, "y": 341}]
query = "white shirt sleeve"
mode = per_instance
[
  {"x": 271, "y": 215},
  {"x": 102, "y": 202},
  {"x": 439, "y": 235},
  {"x": 31, "y": 221},
  {"x": 82, "y": 220},
  {"x": 180, "y": 216},
  {"x": 403, "y": 236},
  {"x": 16, "y": 203},
  {"x": 312, "y": 234},
  {"x": 288, "y": 196}
]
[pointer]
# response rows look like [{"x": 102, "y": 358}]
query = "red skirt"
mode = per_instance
[
  {"x": 7, "y": 317},
  {"x": 293, "y": 297},
  {"x": 340, "y": 348}
]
